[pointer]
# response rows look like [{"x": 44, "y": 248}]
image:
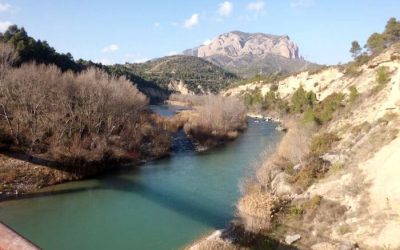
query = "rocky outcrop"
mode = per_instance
[
  {"x": 179, "y": 86},
  {"x": 237, "y": 44},
  {"x": 248, "y": 54}
]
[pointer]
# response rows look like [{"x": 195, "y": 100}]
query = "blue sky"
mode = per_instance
[{"x": 118, "y": 31}]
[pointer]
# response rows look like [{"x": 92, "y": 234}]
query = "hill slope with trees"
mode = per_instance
[
  {"x": 333, "y": 181},
  {"x": 199, "y": 76},
  {"x": 29, "y": 49}
]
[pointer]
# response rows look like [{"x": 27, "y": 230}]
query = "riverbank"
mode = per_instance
[
  {"x": 11, "y": 240},
  {"x": 260, "y": 115},
  {"x": 332, "y": 183},
  {"x": 23, "y": 172},
  {"x": 186, "y": 188}
]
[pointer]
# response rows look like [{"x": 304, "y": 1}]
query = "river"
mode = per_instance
[{"x": 164, "y": 204}]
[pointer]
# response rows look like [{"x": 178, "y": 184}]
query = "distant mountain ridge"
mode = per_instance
[
  {"x": 180, "y": 71},
  {"x": 248, "y": 54},
  {"x": 237, "y": 44}
]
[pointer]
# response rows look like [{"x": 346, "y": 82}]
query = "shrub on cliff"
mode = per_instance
[
  {"x": 353, "y": 94},
  {"x": 321, "y": 144},
  {"x": 382, "y": 75},
  {"x": 328, "y": 106}
]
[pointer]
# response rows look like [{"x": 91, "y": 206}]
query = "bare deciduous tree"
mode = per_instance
[{"x": 46, "y": 110}]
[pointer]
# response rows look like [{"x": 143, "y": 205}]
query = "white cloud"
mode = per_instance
[
  {"x": 141, "y": 60},
  {"x": 106, "y": 61},
  {"x": 111, "y": 48},
  {"x": 225, "y": 8},
  {"x": 135, "y": 58},
  {"x": 301, "y": 4},
  {"x": 192, "y": 21},
  {"x": 173, "y": 53},
  {"x": 4, "y": 25},
  {"x": 156, "y": 25},
  {"x": 257, "y": 6},
  {"x": 5, "y": 7},
  {"x": 207, "y": 42}
]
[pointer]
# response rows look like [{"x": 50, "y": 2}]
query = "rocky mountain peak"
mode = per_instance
[{"x": 237, "y": 44}]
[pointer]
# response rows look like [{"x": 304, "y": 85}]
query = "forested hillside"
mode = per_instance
[
  {"x": 198, "y": 75},
  {"x": 29, "y": 49}
]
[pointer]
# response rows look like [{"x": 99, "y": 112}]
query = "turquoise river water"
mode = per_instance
[{"x": 164, "y": 204}]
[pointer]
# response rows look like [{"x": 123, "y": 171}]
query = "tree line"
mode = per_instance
[
  {"x": 378, "y": 41},
  {"x": 29, "y": 49},
  {"x": 71, "y": 117}
]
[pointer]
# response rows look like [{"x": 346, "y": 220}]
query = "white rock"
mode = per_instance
[
  {"x": 290, "y": 239},
  {"x": 237, "y": 44}
]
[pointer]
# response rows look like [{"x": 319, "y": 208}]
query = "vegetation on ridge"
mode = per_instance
[
  {"x": 199, "y": 75},
  {"x": 29, "y": 49}
]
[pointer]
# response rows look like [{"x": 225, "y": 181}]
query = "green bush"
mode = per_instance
[
  {"x": 328, "y": 106},
  {"x": 270, "y": 99},
  {"x": 353, "y": 94},
  {"x": 295, "y": 212},
  {"x": 362, "y": 59},
  {"x": 382, "y": 75},
  {"x": 352, "y": 71},
  {"x": 274, "y": 87},
  {"x": 247, "y": 99},
  {"x": 322, "y": 143},
  {"x": 253, "y": 97},
  {"x": 302, "y": 100},
  {"x": 310, "y": 116}
]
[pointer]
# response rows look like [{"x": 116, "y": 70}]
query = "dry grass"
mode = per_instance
[
  {"x": 295, "y": 144},
  {"x": 214, "y": 119},
  {"x": 257, "y": 208},
  {"x": 78, "y": 121}
]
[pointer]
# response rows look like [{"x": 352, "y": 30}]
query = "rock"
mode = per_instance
[
  {"x": 388, "y": 56},
  {"x": 216, "y": 235},
  {"x": 257, "y": 116},
  {"x": 297, "y": 167},
  {"x": 332, "y": 158},
  {"x": 179, "y": 87},
  {"x": 237, "y": 44},
  {"x": 281, "y": 128},
  {"x": 280, "y": 185},
  {"x": 247, "y": 54},
  {"x": 290, "y": 239}
]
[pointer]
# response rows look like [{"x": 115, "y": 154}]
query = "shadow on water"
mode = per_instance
[
  {"x": 170, "y": 200},
  {"x": 198, "y": 208},
  {"x": 178, "y": 204}
]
